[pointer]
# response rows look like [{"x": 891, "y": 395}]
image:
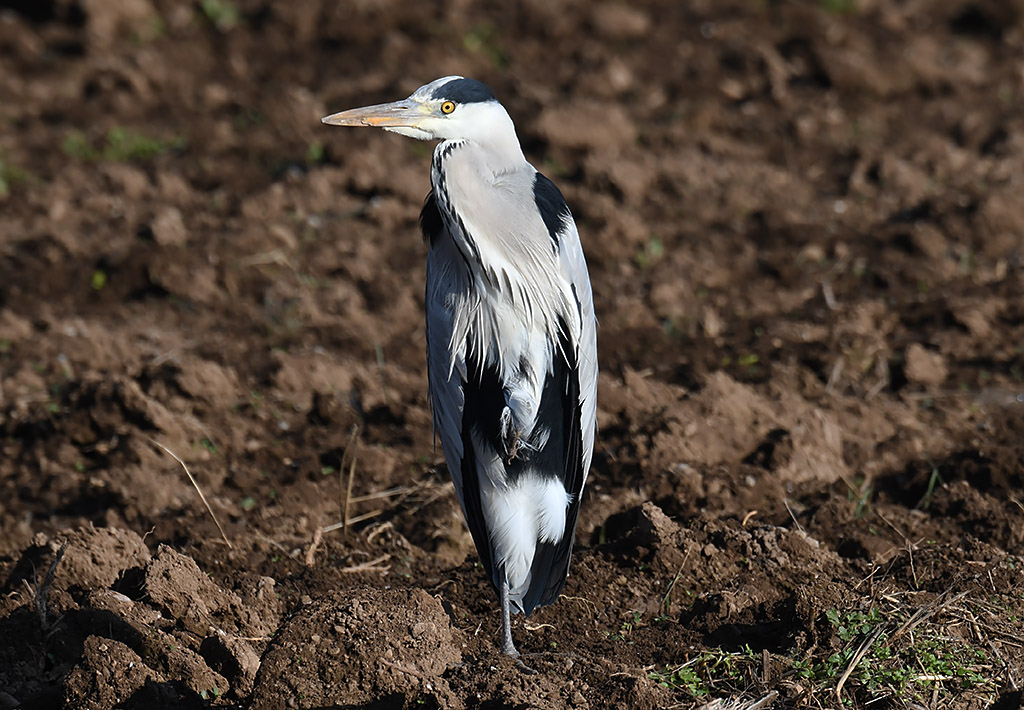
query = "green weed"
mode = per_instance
[
  {"x": 839, "y": 7},
  {"x": 698, "y": 676},
  {"x": 483, "y": 38},
  {"x": 223, "y": 14},
  {"x": 651, "y": 253},
  {"x": 121, "y": 145},
  {"x": 10, "y": 177}
]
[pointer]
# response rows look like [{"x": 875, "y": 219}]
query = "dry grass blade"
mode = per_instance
[
  {"x": 352, "y": 521},
  {"x": 43, "y": 590},
  {"x": 275, "y": 256},
  {"x": 346, "y": 499},
  {"x": 274, "y": 543},
  {"x": 371, "y": 566},
  {"x": 790, "y": 511},
  {"x": 926, "y": 612},
  {"x": 396, "y": 491},
  {"x": 857, "y": 657},
  {"x": 348, "y": 495},
  {"x": 195, "y": 485},
  {"x": 537, "y": 627},
  {"x": 318, "y": 535},
  {"x": 665, "y": 600},
  {"x": 741, "y": 703}
]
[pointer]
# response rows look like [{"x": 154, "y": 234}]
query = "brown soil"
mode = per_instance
[{"x": 805, "y": 232}]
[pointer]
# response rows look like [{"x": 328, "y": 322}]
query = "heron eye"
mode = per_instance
[{"x": 447, "y": 107}]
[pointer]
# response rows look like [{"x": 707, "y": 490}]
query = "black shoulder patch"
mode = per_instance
[
  {"x": 464, "y": 91},
  {"x": 431, "y": 223},
  {"x": 551, "y": 206}
]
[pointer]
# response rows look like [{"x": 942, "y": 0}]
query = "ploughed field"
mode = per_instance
[{"x": 805, "y": 233}]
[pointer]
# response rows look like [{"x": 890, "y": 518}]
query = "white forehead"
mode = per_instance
[{"x": 425, "y": 91}]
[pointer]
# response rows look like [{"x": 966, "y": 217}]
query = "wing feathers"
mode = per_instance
[{"x": 551, "y": 561}]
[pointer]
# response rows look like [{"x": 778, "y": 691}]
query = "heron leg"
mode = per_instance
[{"x": 507, "y": 647}]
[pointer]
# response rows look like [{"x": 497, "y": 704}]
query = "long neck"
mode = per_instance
[
  {"x": 487, "y": 132},
  {"x": 499, "y": 147}
]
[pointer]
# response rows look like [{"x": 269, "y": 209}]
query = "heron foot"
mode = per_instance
[
  {"x": 510, "y": 435},
  {"x": 509, "y": 649},
  {"x": 515, "y": 448},
  {"x": 525, "y": 669}
]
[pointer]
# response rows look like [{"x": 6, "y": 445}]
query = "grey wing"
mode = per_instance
[
  {"x": 447, "y": 381},
  {"x": 574, "y": 267},
  {"x": 446, "y": 361},
  {"x": 576, "y": 374},
  {"x": 573, "y": 273}
]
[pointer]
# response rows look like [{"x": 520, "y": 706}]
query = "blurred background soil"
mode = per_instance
[{"x": 805, "y": 231}]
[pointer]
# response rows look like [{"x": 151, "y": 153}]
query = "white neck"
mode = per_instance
[{"x": 488, "y": 128}]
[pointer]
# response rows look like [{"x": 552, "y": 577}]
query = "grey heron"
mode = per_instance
[{"x": 511, "y": 337}]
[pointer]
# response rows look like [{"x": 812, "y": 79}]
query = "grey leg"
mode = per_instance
[{"x": 507, "y": 647}]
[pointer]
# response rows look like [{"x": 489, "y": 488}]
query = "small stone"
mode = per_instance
[
  {"x": 925, "y": 366},
  {"x": 233, "y": 658},
  {"x": 169, "y": 227},
  {"x": 420, "y": 629}
]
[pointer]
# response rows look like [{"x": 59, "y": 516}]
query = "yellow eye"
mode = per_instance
[{"x": 447, "y": 107}]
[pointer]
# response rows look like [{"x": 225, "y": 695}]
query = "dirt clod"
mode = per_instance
[{"x": 362, "y": 645}]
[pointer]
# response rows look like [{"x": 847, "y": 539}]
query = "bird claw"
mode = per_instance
[
  {"x": 510, "y": 435},
  {"x": 510, "y": 650},
  {"x": 514, "y": 449},
  {"x": 525, "y": 669}
]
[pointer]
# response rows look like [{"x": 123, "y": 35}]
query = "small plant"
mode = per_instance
[
  {"x": 653, "y": 251},
  {"x": 223, "y": 14},
  {"x": 860, "y": 493},
  {"x": 483, "y": 38},
  {"x": 749, "y": 361},
  {"x": 698, "y": 676},
  {"x": 10, "y": 176},
  {"x": 121, "y": 145},
  {"x": 839, "y": 7},
  {"x": 315, "y": 153},
  {"x": 933, "y": 480},
  {"x": 905, "y": 666},
  {"x": 98, "y": 280},
  {"x": 852, "y": 624},
  {"x": 680, "y": 678}
]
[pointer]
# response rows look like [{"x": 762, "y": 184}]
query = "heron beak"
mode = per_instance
[{"x": 397, "y": 114}]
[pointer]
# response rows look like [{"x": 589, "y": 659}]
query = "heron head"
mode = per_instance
[{"x": 452, "y": 107}]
